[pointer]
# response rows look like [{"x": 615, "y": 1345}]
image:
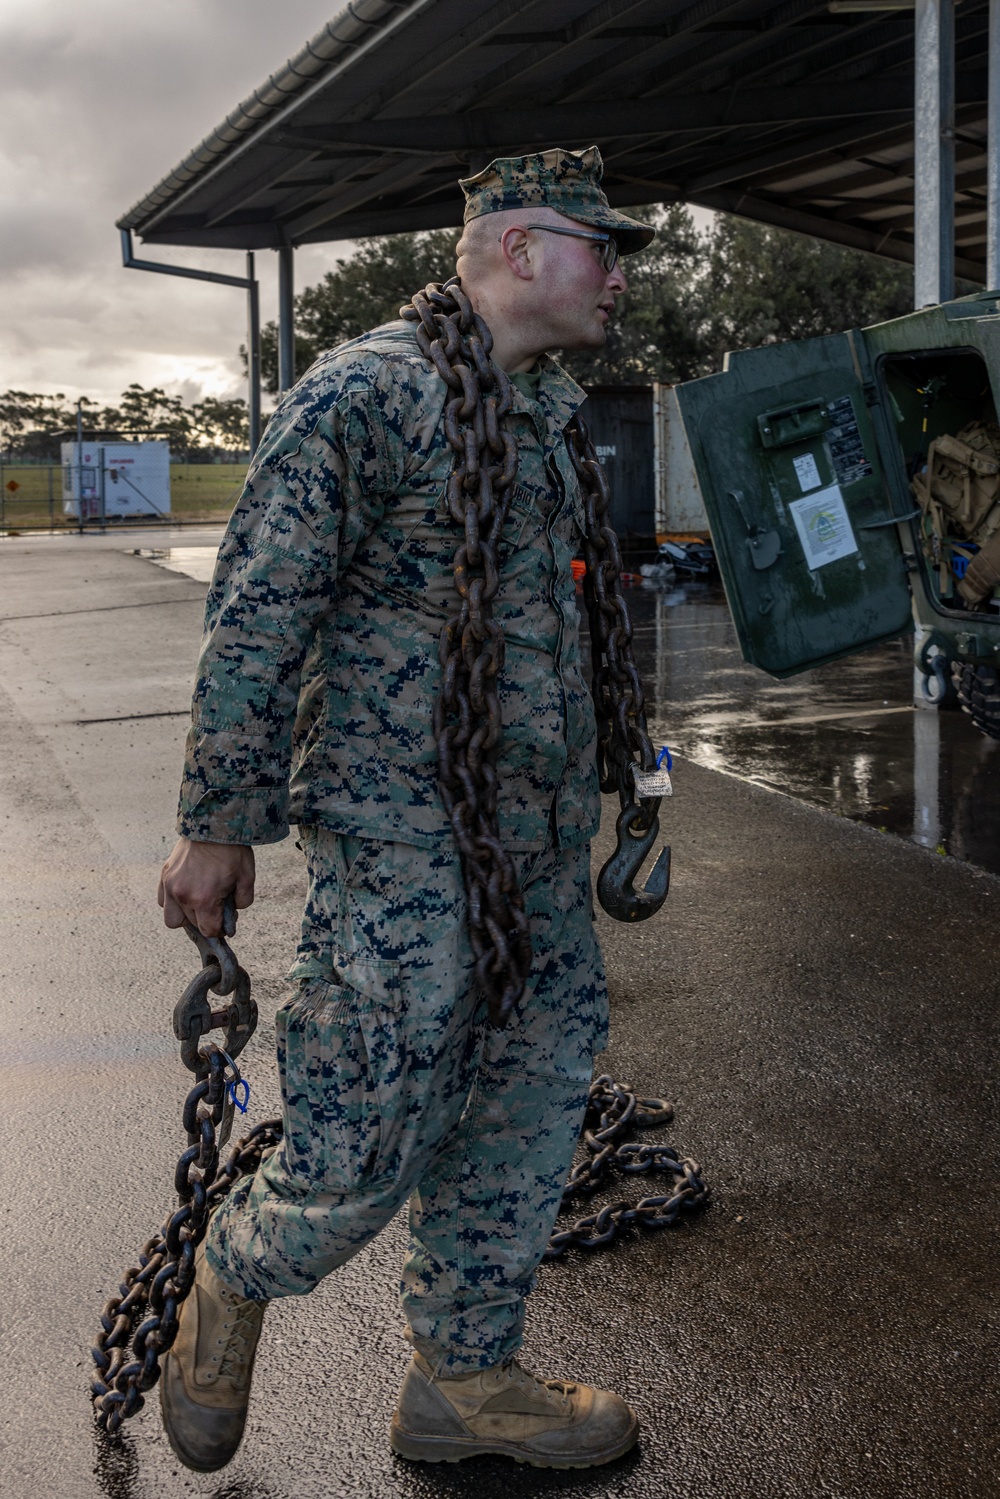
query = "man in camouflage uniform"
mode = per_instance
[{"x": 313, "y": 705}]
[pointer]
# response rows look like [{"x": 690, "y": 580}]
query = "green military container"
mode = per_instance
[{"x": 812, "y": 459}]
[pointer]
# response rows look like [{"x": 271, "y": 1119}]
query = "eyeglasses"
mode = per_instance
[{"x": 609, "y": 258}]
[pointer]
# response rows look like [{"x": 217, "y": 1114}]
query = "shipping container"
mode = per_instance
[{"x": 642, "y": 443}]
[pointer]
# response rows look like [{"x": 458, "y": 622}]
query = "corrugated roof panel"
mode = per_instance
[{"x": 779, "y": 109}]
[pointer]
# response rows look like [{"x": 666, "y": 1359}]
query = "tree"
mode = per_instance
[
  {"x": 31, "y": 424},
  {"x": 692, "y": 296},
  {"x": 143, "y": 414},
  {"x": 34, "y": 425},
  {"x": 362, "y": 292},
  {"x": 221, "y": 424},
  {"x": 761, "y": 285}
]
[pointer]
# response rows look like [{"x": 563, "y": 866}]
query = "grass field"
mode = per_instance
[{"x": 198, "y": 492}]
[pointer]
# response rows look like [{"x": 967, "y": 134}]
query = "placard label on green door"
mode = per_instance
[
  {"x": 824, "y": 526},
  {"x": 806, "y": 472}
]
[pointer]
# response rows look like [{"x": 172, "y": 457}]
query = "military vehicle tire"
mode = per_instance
[{"x": 978, "y": 689}]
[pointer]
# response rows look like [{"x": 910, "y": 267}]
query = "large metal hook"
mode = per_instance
[{"x": 615, "y": 883}]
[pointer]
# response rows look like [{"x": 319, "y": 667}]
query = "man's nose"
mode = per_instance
[{"x": 617, "y": 281}]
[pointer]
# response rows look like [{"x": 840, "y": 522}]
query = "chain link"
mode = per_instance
[
  {"x": 139, "y": 1326},
  {"x": 467, "y": 721},
  {"x": 612, "y": 1111},
  {"x": 619, "y": 701}
]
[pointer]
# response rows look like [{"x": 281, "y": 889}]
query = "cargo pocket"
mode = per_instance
[{"x": 342, "y": 1064}]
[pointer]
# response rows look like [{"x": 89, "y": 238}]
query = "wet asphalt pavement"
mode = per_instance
[{"x": 818, "y": 999}]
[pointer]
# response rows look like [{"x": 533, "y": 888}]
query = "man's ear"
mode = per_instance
[{"x": 515, "y": 251}]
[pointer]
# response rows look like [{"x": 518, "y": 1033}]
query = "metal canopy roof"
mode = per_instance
[{"x": 793, "y": 113}]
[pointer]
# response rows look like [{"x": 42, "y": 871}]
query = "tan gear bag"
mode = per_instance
[
  {"x": 962, "y": 479},
  {"x": 983, "y": 573},
  {"x": 959, "y": 492}
]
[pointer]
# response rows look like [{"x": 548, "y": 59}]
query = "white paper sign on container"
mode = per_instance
[{"x": 824, "y": 526}]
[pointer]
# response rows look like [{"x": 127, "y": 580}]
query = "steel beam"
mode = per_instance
[
  {"x": 934, "y": 153},
  {"x": 879, "y": 242},
  {"x": 993, "y": 151},
  {"x": 351, "y": 194},
  {"x": 515, "y": 75},
  {"x": 249, "y": 283},
  {"x": 785, "y": 156},
  {"x": 286, "y": 318},
  {"x": 496, "y": 129},
  {"x": 253, "y": 354}
]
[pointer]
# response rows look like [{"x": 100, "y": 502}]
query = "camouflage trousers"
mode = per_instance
[{"x": 395, "y": 1087}]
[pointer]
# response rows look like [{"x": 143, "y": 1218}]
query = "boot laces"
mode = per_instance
[
  {"x": 239, "y": 1333},
  {"x": 547, "y": 1387}
]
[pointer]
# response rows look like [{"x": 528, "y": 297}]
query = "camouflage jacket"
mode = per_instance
[{"x": 319, "y": 666}]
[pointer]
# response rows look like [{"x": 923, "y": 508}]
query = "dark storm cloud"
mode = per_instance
[{"x": 100, "y": 101}]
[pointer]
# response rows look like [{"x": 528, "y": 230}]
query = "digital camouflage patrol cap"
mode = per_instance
[{"x": 568, "y": 181}]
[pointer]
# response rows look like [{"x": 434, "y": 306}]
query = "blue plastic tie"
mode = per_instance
[
  {"x": 240, "y": 1082},
  {"x": 665, "y": 755}
]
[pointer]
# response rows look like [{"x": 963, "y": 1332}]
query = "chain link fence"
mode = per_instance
[{"x": 31, "y": 497}]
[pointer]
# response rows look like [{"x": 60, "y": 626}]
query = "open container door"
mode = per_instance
[{"x": 792, "y": 481}]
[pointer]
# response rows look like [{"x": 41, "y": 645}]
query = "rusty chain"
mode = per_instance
[
  {"x": 619, "y": 701},
  {"x": 139, "y": 1325},
  {"x": 612, "y": 1111},
  {"x": 467, "y": 719}
]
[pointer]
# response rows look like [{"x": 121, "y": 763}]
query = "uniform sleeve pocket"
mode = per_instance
[{"x": 342, "y": 1064}]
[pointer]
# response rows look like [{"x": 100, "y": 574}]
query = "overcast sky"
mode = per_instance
[{"x": 99, "y": 101}]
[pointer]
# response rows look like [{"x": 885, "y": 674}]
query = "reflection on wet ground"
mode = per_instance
[
  {"x": 844, "y": 736},
  {"x": 195, "y": 561}
]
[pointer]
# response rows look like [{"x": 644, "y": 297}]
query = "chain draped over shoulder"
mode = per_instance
[{"x": 467, "y": 718}]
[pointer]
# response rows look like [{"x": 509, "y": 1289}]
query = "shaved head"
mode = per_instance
[
  {"x": 478, "y": 252},
  {"x": 536, "y": 292}
]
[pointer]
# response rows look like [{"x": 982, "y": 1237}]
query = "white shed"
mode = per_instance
[{"x": 113, "y": 480}]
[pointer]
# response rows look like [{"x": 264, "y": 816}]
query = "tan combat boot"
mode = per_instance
[
  {"x": 205, "y": 1384},
  {"x": 505, "y": 1410}
]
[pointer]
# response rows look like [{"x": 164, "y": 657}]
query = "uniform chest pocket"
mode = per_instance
[
  {"x": 425, "y": 553},
  {"x": 527, "y": 507},
  {"x": 342, "y": 1064}
]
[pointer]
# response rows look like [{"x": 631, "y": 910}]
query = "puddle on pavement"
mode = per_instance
[
  {"x": 844, "y": 736},
  {"x": 194, "y": 562}
]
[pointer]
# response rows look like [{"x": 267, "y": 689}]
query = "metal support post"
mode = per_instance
[
  {"x": 249, "y": 284},
  {"x": 79, "y": 465},
  {"x": 253, "y": 354},
  {"x": 993, "y": 151},
  {"x": 926, "y": 779},
  {"x": 933, "y": 195},
  {"x": 286, "y": 318},
  {"x": 934, "y": 153}
]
